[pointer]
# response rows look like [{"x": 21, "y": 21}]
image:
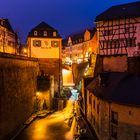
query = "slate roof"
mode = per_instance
[
  {"x": 120, "y": 12},
  {"x": 6, "y": 24},
  {"x": 117, "y": 87},
  {"x": 40, "y": 28},
  {"x": 78, "y": 37}
]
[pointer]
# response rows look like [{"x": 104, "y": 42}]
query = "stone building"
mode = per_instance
[
  {"x": 113, "y": 106},
  {"x": 8, "y": 38},
  {"x": 44, "y": 43}
]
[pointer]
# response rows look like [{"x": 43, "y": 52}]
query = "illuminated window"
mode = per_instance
[
  {"x": 54, "y": 33},
  {"x": 45, "y": 33},
  {"x": 36, "y": 43},
  {"x": 1, "y": 22},
  {"x": 35, "y": 33}
]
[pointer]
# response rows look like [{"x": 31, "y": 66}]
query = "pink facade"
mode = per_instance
[{"x": 121, "y": 36}]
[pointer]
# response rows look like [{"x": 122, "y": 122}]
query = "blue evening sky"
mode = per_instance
[{"x": 67, "y": 16}]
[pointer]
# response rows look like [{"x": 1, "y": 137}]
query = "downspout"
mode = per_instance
[{"x": 109, "y": 120}]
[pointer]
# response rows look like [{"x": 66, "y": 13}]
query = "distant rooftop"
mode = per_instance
[
  {"x": 128, "y": 10},
  {"x": 5, "y": 23},
  {"x": 78, "y": 37}
]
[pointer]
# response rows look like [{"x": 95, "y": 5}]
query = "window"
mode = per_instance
[
  {"x": 35, "y": 33},
  {"x": 139, "y": 45},
  {"x": 90, "y": 98},
  {"x": 137, "y": 136},
  {"x": 108, "y": 32},
  {"x": 131, "y": 42},
  {"x": 54, "y": 33},
  {"x": 97, "y": 108},
  {"x": 94, "y": 120},
  {"x": 114, "y": 117},
  {"x": 127, "y": 30},
  {"x": 55, "y": 43},
  {"x": 94, "y": 104},
  {"x": 114, "y": 131},
  {"x": 36, "y": 43},
  {"x": 45, "y": 33}
]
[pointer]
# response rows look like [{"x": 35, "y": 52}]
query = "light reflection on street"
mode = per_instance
[{"x": 53, "y": 127}]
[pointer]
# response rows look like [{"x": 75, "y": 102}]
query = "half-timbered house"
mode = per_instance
[{"x": 119, "y": 30}]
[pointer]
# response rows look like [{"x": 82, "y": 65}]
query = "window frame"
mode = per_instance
[
  {"x": 36, "y": 43},
  {"x": 114, "y": 117},
  {"x": 35, "y": 33}
]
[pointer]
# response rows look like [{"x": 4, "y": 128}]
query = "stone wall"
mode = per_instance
[
  {"x": 53, "y": 67},
  {"x": 115, "y": 63},
  {"x": 17, "y": 92}
]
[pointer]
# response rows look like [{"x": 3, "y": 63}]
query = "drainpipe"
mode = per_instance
[{"x": 109, "y": 120}]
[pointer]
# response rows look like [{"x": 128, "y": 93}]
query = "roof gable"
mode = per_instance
[
  {"x": 5, "y": 23},
  {"x": 43, "y": 26}
]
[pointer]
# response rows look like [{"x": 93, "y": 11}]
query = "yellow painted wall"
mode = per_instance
[{"x": 45, "y": 50}]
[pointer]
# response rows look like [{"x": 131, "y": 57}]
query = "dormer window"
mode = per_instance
[
  {"x": 45, "y": 33},
  {"x": 35, "y": 33},
  {"x": 54, "y": 33}
]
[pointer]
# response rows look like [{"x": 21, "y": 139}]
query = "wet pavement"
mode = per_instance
[{"x": 53, "y": 127}]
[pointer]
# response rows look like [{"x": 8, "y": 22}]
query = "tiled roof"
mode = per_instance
[
  {"x": 117, "y": 87},
  {"x": 5, "y": 23},
  {"x": 40, "y": 28},
  {"x": 120, "y": 12},
  {"x": 78, "y": 37},
  {"x": 92, "y": 32}
]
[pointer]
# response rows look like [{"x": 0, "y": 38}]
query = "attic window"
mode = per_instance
[
  {"x": 35, "y": 33},
  {"x": 54, "y": 33},
  {"x": 45, "y": 33}
]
